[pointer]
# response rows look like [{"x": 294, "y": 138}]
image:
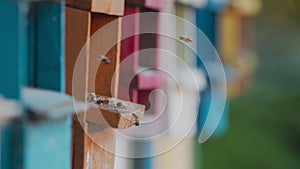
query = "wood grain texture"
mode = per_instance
[
  {"x": 78, "y": 136},
  {"x": 115, "y": 7},
  {"x": 82, "y": 24},
  {"x": 116, "y": 113},
  {"x": 104, "y": 72},
  {"x": 99, "y": 157},
  {"x": 80, "y": 4},
  {"x": 77, "y": 33}
]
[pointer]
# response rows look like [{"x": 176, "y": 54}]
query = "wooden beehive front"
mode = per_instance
[{"x": 80, "y": 26}]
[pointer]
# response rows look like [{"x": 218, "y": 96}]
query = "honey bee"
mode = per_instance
[
  {"x": 102, "y": 101},
  {"x": 186, "y": 38},
  {"x": 136, "y": 120}
]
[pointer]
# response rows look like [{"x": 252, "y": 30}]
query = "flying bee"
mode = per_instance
[{"x": 186, "y": 38}]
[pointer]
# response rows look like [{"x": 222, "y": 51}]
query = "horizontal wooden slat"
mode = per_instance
[{"x": 110, "y": 7}]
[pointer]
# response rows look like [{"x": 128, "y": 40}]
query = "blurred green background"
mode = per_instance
[{"x": 264, "y": 131}]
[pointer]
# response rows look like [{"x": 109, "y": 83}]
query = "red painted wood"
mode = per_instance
[
  {"x": 129, "y": 48},
  {"x": 158, "y": 4},
  {"x": 150, "y": 79},
  {"x": 144, "y": 82}
]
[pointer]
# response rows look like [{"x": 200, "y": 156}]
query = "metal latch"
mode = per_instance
[{"x": 118, "y": 113}]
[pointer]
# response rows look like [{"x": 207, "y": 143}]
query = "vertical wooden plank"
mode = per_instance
[
  {"x": 189, "y": 93},
  {"x": 78, "y": 153},
  {"x": 234, "y": 49},
  {"x": 47, "y": 145},
  {"x": 13, "y": 48},
  {"x": 50, "y": 49},
  {"x": 149, "y": 40},
  {"x": 48, "y": 139},
  {"x": 207, "y": 23},
  {"x": 229, "y": 36},
  {"x": 13, "y": 66},
  {"x": 29, "y": 141},
  {"x": 103, "y": 83},
  {"x": 129, "y": 46},
  {"x": 77, "y": 33},
  {"x": 86, "y": 152},
  {"x": 99, "y": 157}
]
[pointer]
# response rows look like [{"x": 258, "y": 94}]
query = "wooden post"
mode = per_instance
[
  {"x": 80, "y": 26},
  {"x": 13, "y": 67}
]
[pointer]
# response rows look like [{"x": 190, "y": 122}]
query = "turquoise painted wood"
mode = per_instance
[
  {"x": 13, "y": 66},
  {"x": 33, "y": 34},
  {"x": 146, "y": 148},
  {"x": 47, "y": 143},
  {"x": 50, "y": 45},
  {"x": 207, "y": 23},
  {"x": 13, "y": 48},
  {"x": 217, "y": 5},
  {"x": 46, "y": 40}
]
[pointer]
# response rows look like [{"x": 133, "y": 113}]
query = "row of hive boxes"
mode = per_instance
[
  {"x": 89, "y": 36},
  {"x": 95, "y": 14},
  {"x": 82, "y": 21}
]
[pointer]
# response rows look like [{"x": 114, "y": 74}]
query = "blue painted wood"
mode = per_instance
[
  {"x": 207, "y": 23},
  {"x": 145, "y": 148},
  {"x": 46, "y": 40},
  {"x": 217, "y": 5},
  {"x": 44, "y": 144},
  {"x": 5, "y": 147},
  {"x": 47, "y": 143},
  {"x": 32, "y": 59},
  {"x": 13, "y": 48},
  {"x": 50, "y": 50},
  {"x": 13, "y": 65}
]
